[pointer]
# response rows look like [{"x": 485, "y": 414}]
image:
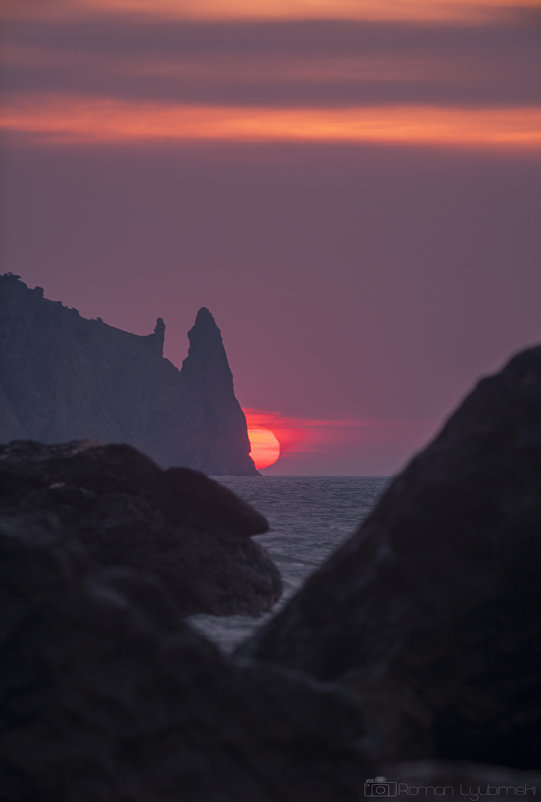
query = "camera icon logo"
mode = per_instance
[{"x": 380, "y": 786}]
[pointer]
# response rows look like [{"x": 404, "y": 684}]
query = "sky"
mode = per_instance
[{"x": 352, "y": 187}]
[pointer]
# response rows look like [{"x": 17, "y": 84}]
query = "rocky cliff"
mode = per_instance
[{"x": 63, "y": 377}]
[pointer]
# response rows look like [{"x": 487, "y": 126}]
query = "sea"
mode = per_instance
[{"x": 309, "y": 516}]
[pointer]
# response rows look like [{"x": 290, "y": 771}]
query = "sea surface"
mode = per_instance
[{"x": 309, "y": 516}]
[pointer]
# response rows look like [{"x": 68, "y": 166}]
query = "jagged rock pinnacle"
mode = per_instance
[
  {"x": 205, "y": 318},
  {"x": 206, "y": 362},
  {"x": 206, "y": 371}
]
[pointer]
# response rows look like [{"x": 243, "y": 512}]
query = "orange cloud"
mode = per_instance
[
  {"x": 276, "y": 9},
  {"x": 102, "y": 120}
]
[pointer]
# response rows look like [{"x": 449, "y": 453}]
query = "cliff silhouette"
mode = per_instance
[{"x": 64, "y": 377}]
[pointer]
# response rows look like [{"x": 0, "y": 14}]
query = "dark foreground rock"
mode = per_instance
[
  {"x": 431, "y": 613},
  {"x": 177, "y": 525},
  {"x": 109, "y": 698}
]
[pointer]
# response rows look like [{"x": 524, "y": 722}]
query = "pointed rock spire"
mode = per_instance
[
  {"x": 206, "y": 365},
  {"x": 207, "y": 373}
]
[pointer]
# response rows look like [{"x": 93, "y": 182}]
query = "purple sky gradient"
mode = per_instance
[
  {"x": 364, "y": 285},
  {"x": 250, "y": 62}
]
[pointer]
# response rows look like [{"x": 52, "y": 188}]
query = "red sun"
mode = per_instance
[{"x": 265, "y": 448}]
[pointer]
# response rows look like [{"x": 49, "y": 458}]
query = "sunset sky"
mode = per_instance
[{"x": 353, "y": 187}]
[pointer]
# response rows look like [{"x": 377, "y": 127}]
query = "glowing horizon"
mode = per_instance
[{"x": 296, "y": 434}]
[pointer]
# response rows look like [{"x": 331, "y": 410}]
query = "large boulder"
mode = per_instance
[
  {"x": 178, "y": 525},
  {"x": 431, "y": 612},
  {"x": 107, "y": 697}
]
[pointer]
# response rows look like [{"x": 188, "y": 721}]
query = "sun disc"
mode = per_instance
[{"x": 265, "y": 448}]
